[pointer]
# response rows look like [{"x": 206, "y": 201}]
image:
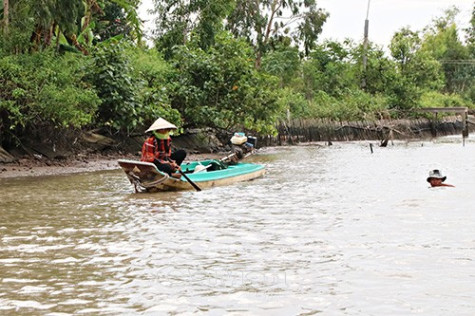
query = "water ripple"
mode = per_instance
[{"x": 334, "y": 230}]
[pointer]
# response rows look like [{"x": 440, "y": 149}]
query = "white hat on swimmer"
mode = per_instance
[{"x": 436, "y": 174}]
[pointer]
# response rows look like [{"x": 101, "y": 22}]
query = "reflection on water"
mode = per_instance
[{"x": 332, "y": 229}]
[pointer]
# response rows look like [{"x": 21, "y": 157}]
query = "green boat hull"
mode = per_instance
[{"x": 146, "y": 177}]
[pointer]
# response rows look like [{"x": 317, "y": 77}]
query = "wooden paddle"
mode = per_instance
[{"x": 197, "y": 188}]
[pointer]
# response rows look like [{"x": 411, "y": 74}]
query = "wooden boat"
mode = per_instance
[{"x": 207, "y": 173}]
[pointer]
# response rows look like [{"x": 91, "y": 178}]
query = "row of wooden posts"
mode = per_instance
[
  {"x": 462, "y": 111},
  {"x": 304, "y": 130}
]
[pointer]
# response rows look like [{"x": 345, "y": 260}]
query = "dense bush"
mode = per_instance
[
  {"x": 221, "y": 87},
  {"x": 154, "y": 75},
  {"x": 355, "y": 105},
  {"x": 437, "y": 99},
  {"x": 112, "y": 77},
  {"x": 44, "y": 89},
  {"x": 74, "y": 63}
]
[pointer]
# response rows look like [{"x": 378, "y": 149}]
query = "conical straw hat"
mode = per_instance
[{"x": 160, "y": 124}]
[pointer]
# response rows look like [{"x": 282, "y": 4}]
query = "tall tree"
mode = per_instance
[
  {"x": 471, "y": 50},
  {"x": 268, "y": 21},
  {"x": 471, "y": 34},
  {"x": 380, "y": 70},
  {"x": 178, "y": 19},
  {"x": 114, "y": 81},
  {"x": 262, "y": 23},
  {"x": 56, "y": 16},
  {"x": 283, "y": 62},
  {"x": 327, "y": 69},
  {"x": 404, "y": 46},
  {"x": 441, "y": 40},
  {"x": 132, "y": 19},
  {"x": 112, "y": 23},
  {"x": 65, "y": 22},
  {"x": 417, "y": 71},
  {"x": 6, "y": 11}
]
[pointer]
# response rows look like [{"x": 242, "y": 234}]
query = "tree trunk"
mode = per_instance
[
  {"x": 6, "y": 11},
  {"x": 49, "y": 34},
  {"x": 35, "y": 38},
  {"x": 257, "y": 64},
  {"x": 73, "y": 40}
]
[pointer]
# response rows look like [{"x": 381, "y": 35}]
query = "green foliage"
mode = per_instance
[
  {"x": 132, "y": 85},
  {"x": 198, "y": 75},
  {"x": 154, "y": 74},
  {"x": 283, "y": 62},
  {"x": 416, "y": 71},
  {"x": 403, "y": 95},
  {"x": 43, "y": 89},
  {"x": 328, "y": 70},
  {"x": 441, "y": 41},
  {"x": 265, "y": 22},
  {"x": 179, "y": 21},
  {"x": 439, "y": 100},
  {"x": 132, "y": 25},
  {"x": 112, "y": 77},
  {"x": 221, "y": 88},
  {"x": 355, "y": 105},
  {"x": 118, "y": 18},
  {"x": 112, "y": 23},
  {"x": 404, "y": 46},
  {"x": 64, "y": 24},
  {"x": 471, "y": 34},
  {"x": 19, "y": 30},
  {"x": 380, "y": 72},
  {"x": 293, "y": 104}
]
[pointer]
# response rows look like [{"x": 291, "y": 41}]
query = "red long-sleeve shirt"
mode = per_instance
[{"x": 154, "y": 148}]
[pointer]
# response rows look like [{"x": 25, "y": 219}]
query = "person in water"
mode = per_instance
[
  {"x": 157, "y": 148},
  {"x": 436, "y": 179}
]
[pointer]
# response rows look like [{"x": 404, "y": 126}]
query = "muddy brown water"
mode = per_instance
[{"x": 333, "y": 230}]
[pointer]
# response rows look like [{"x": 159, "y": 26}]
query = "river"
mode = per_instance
[{"x": 335, "y": 230}]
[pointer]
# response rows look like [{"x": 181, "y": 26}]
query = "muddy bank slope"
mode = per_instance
[
  {"x": 85, "y": 151},
  {"x": 90, "y": 151}
]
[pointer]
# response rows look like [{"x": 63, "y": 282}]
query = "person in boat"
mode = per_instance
[
  {"x": 157, "y": 148},
  {"x": 436, "y": 179}
]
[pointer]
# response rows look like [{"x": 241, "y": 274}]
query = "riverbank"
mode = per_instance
[
  {"x": 311, "y": 130},
  {"x": 95, "y": 152},
  {"x": 35, "y": 168},
  {"x": 91, "y": 151}
]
